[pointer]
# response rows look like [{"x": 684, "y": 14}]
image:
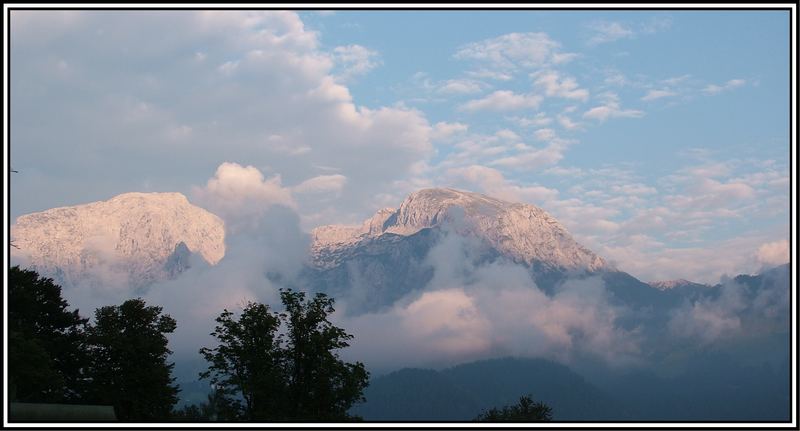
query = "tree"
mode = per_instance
[
  {"x": 128, "y": 361},
  {"x": 248, "y": 362},
  {"x": 45, "y": 340},
  {"x": 526, "y": 410},
  {"x": 298, "y": 376},
  {"x": 322, "y": 386}
]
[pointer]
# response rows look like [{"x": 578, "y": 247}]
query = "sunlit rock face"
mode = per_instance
[
  {"x": 387, "y": 256},
  {"x": 133, "y": 239},
  {"x": 522, "y": 232}
]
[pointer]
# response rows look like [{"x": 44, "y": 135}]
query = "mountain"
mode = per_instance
[
  {"x": 521, "y": 232},
  {"x": 675, "y": 284},
  {"x": 384, "y": 258},
  {"x": 462, "y": 392},
  {"x": 133, "y": 238}
]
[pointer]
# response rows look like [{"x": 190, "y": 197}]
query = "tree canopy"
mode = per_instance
[
  {"x": 45, "y": 340},
  {"x": 128, "y": 361},
  {"x": 266, "y": 374},
  {"x": 526, "y": 410}
]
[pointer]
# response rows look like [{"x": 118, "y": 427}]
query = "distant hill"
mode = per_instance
[{"x": 462, "y": 392}]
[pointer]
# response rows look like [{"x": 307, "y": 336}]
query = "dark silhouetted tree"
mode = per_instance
[
  {"x": 45, "y": 340},
  {"x": 526, "y": 410},
  {"x": 247, "y": 366},
  {"x": 128, "y": 361},
  {"x": 321, "y": 385},
  {"x": 264, "y": 375}
]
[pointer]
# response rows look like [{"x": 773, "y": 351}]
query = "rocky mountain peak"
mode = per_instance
[
  {"x": 131, "y": 236},
  {"x": 522, "y": 232}
]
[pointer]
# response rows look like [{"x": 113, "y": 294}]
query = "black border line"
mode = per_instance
[{"x": 793, "y": 304}]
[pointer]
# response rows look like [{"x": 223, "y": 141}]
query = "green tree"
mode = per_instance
[
  {"x": 248, "y": 362},
  {"x": 526, "y": 410},
  {"x": 265, "y": 375},
  {"x": 45, "y": 340},
  {"x": 128, "y": 361},
  {"x": 321, "y": 386}
]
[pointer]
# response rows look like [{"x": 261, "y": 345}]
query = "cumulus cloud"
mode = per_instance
[
  {"x": 262, "y": 91},
  {"x": 555, "y": 85},
  {"x": 443, "y": 130},
  {"x": 472, "y": 311},
  {"x": 736, "y": 308},
  {"x": 240, "y": 195},
  {"x": 773, "y": 253}
]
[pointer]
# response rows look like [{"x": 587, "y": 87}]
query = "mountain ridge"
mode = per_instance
[{"x": 132, "y": 237}]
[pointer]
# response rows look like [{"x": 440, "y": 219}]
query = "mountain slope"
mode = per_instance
[
  {"x": 522, "y": 232},
  {"x": 386, "y": 257},
  {"x": 133, "y": 238},
  {"x": 462, "y": 392}
]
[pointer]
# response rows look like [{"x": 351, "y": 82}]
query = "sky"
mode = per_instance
[{"x": 660, "y": 139}]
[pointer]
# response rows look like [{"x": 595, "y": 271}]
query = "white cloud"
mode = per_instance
[
  {"x": 604, "y": 32},
  {"x": 611, "y": 109},
  {"x": 512, "y": 51},
  {"x": 567, "y": 123},
  {"x": 773, "y": 253},
  {"x": 503, "y": 100},
  {"x": 355, "y": 60},
  {"x": 532, "y": 158},
  {"x": 241, "y": 195},
  {"x": 489, "y": 74},
  {"x": 507, "y": 134},
  {"x": 713, "y": 89},
  {"x": 539, "y": 120},
  {"x": 544, "y": 134},
  {"x": 556, "y": 86},
  {"x": 322, "y": 184},
  {"x": 264, "y": 92},
  {"x": 443, "y": 130},
  {"x": 492, "y": 182},
  {"x": 460, "y": 86},
  {"x": 658, "y": 94},
  {"x": 473, "y": 311}
]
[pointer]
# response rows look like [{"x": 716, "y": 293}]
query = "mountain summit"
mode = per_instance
[
  {"x": 386, "y": 257},
  {"x": 136, "y": 238},
  {"x": 522, "y": 232}
]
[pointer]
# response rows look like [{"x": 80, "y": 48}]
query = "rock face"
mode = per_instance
[
  {"x": 522, "y": 232},
  {"x": 675, "y": 284},
  {"x": 384, "y": 258},
  {"x": 133, "y": 238}
]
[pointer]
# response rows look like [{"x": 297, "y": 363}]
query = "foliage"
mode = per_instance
[
  {"x": 216, "y": 408},
  {"x": 45, "y": 340},
  {"x": 266, "y": 375},
  {"x": 247, "y": 361},
  {"x": 128, "y": 361},
  {"x": 526, "y": 410}
]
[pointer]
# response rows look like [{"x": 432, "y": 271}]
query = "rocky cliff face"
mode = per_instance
[
  {"x": 384, "y": 258},
  {"x": 521, "y": 232},
  {"x": 133, "y": 238}
]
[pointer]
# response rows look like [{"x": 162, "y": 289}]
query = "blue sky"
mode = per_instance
[{"x": 660, "y": 139}]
